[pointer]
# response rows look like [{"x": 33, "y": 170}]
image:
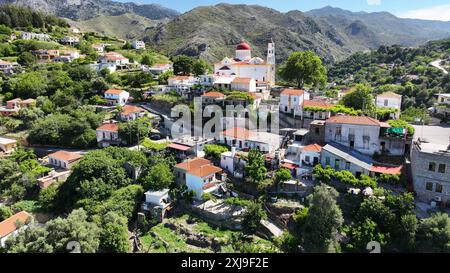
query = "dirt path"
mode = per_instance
[{"x": 437, "y": 64}]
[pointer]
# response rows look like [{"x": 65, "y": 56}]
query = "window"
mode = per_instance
[
  {"x": 327, "y": 161},
  {"x": 386, "y": 102},
  {"x": 337, "y": 164},
  {"x": 432, "y": 167},
  {"x": 347, "y": 165},
  {"x": 307, "y": 158},
  {"x": 316, "y": 130},
  {"x": 429, "y": 186},
  {"x": 438, "y": 188},
  {"x": 441, "y": 168}
]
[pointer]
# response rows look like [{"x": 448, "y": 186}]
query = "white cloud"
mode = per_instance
[
  {"x": 441, "y": 13},
  {"x": 373, "y": 2}
]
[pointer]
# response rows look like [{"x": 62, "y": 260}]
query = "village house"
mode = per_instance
[
  {"x": 136, "y": 44},
  {"x": 7, "y": 145},
  {"x": 390, "y": 100},
  {"x": 243, "y": 65},
  {"x": 131, "y": 112},
  {"x": 186, "y": 146},
  {"x": 116, "y": 97},
  {"x": 199, "y": 175},
  {"x": 366, "y": 135},
  {"x": 13, "y": 106},
  {"x": 181, "y": 84},
  {"x": 14, "y": 224},
  {"x": 244, "y": 139},
  {"x": 430, "y": 167},
  {"x": 243, "y": 84},
  {"x": 316, "y": 110},
  {"x": 233, "y": 162},
  {"x": 63, "y": 159},
  {"x": 108, "y": 134},
  {"x": 158, "y": 69},
  {"x": 70, "y": 40},
  {"x": 98, "y": 47},
  {"x": 45, "y": 55},
  {"x": 443, "y": 105},
  {"x": 54, "y": 176},
  {"x": 67, "y": 56},
  {"x": 291, "y": 101},
  {"x": 74, "y": 30},
  {"x": 8, "y": 68},
  {"x": 35, "y": 36},
  {"x": 340, "y": 158},
  {"x": 213, "y": 97},
  {"x": 115, "y": 59}
]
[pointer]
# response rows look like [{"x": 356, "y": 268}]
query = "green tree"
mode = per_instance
[
  {"x": 215, "y": 150},
  {"x": 255, "y": 167},
  {"x": 28, "y": 85},
  {"x": 323, "y": 221},
  {"x": 5, "y": 212},
  {"x": 183, "y": 64},
  {"x": 363, "y": 233},
  {"x": 114, "y": 234},
  {"x": 159, "y": 177},
  {"x": 252, "y": 217},
  {"x": 47, "y": 197},
  {"x": 133, "y": 131},
  {"x": 324, "y": 175},
  {"x": 304, "y": 68},
  {"x": 434, "y": 233},
  {"x": 26, "y": 59},
  {"x": 200, "y": 67},
  {"x": 360, "y": 99}
]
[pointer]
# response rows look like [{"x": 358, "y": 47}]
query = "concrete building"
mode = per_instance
[
  {"x": 244, "y": 139},
  {"x": 136, "y": 44},
  {"x": 116, "y": 97},
  {"x": 7, "y": 145},
  {"x": 10, "y": 228},
  {"x": 131, "y": 112},
  {"x": 430, "y": 167},
  {"x": 108, "y": 134},
  {"x": 390, "y": 100},
  {"x": 443, "y": 105},
  {"x": 291, "y": 101},
  {"x": 233, "y": 162}
]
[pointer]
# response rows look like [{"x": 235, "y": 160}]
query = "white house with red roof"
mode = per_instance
[
  {"x": 117, "y": 97},
  {"x": 316, "y": 110},
  {"x": 291, "y": 101},
  {"x": 213, "y": 97},
  {"x": 243, "y": 84},
  {"x": 390, "y": 100},
  {"x": 199, "y": 175},
  {"x": 243, "y": 65},
  {"x": 114, "y": 59},
  {"x": 13, "y": 225},
  {"x": 131, "y": 112},
  {"x": 63, "y": 159},
  {"x": 108, "y": 134},
  {"x": 181, "y": 84}
]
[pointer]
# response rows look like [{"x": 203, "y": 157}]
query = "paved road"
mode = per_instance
[{"x": 437, "y": 64}]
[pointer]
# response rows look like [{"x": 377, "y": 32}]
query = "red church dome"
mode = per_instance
[{"x": 243, "y": 46}]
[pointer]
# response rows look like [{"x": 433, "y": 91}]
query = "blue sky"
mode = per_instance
[{"x": 422, "y": 9}]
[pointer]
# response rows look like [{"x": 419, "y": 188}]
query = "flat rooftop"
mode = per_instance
[{"x": 433, "y": 134}]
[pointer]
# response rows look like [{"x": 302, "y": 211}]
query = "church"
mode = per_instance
[{"x": 245, "y": 66}]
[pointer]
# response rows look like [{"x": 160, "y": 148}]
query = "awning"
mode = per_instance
[
  {"x": 179, "y": 147},
  {"x": 387, "y": 170}
]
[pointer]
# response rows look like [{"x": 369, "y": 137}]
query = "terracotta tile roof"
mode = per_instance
[
  {"x": 389, "y": 95},
  {"x": 193, "y": 164},
  {"x": 312, "y": 148},
  {"x": 239, "y": 80},
  {"x": 237, "y": 132},
  {"x": 387, "y": 170},
  {"x": 9, "y": 225},
  {"x": 292, "y": 92},
  {"x": 312, "y": 103},
  {"x": 204, "y": 171},
  {"x": 254, "y": 95},
  {"x": 114, "y": 91},
  {"x": 357, "y": 120},
  {"x": 213, "y": 94},
  {"x": 179, "y": 147},
  {"x": 289, "y": 166},
  {"x": 179, "y": 78},
  {"x": 112, "y": 127},
  {"x": 66, "y": 156},
  {"x": 131, "y": 109},
  {"x": 28, "y": 101}
]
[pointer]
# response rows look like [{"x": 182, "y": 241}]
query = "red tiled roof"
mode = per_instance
[
  {"x": 178, "y": 147},
  {"x": 313, "y": 148},
  {"x": 114, "y": 91},
  {"x": 112, "y": 127},
  {"x": 312, "y": 103},
  {"x": 387, "y": 170},
  {"x": 243, "y": 46},
  {"x": 292, "y": 92},
  {"x": 179, "y": 78},
  {"x": 130, "y": 109},
  {"x": 357, "y": 120},
  {"x": 9, "y": 225},
  {"x": 237, "y": 132},
  {"x": 214, "y": 94},
  {"x": 66, "y": 156},
  {"x": 193, "y": 163},
  {"x": 204, "y": 171},
  {"x": 289, "y": 166}
]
